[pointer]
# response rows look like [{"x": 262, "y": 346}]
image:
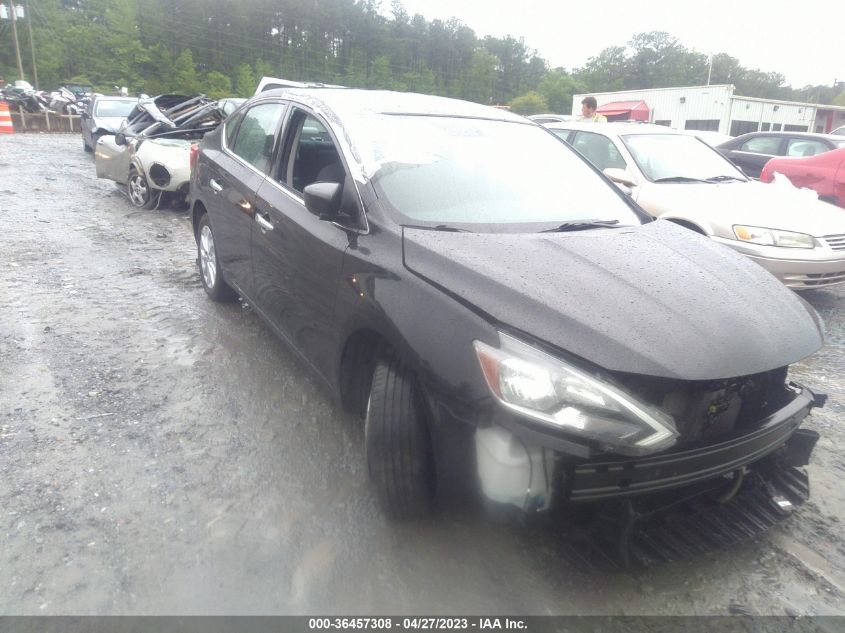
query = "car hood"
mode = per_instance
[
  {"x": 655, "y": 299},
  {"x": 774, "y": 206},
  {"x": 109, "y": 123}
]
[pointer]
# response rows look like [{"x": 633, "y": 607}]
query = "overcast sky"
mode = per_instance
[{"x": 802, "y": 40}]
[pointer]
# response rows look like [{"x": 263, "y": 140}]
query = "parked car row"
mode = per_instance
[
  {"x": 677, "y": 177},
  {"x": 500, "y": 313},
  {"x": 752, "y": 151}
]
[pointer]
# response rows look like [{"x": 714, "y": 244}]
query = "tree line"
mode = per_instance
[{"x": 223, "y": 48}]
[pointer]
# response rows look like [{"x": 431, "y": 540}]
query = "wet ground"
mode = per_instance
[{"x": 163, "y": 454}]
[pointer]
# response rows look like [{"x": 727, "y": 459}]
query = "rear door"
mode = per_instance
[
  {"x": 754, "y": 153},
  {"x": 297, "y": 257},
  {"x": 230, "y": 181}
]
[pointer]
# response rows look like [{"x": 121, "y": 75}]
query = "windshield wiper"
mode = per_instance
[
  {"x": 578, "y": 225},
  {"x": 724, "y": 179},
  {"x": 439, "y": 227},
  {"x": 681, "y": 179}
]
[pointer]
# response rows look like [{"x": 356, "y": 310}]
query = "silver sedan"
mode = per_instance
[{"x": 678, "y": 177}]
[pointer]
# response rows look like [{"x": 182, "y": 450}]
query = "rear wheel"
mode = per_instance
[
  {"x": 399, "y": 454},
  {"x": 210, "y": 273}
]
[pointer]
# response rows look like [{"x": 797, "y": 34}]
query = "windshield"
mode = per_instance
[
  {"x": 675, "y": 156},
  {"x": 115, "y": 108},
  {"x": 486, "y": 174}
]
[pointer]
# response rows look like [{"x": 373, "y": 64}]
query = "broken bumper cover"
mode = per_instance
[{"x": 606, "y": 479}]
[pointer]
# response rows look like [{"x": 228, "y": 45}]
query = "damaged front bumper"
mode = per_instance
[
  {"x": 603, "y": 479},
  {"x": 663, "y": 507},
  {"x": 522, "y": 466}
]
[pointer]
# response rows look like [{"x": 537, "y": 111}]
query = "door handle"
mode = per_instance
[
  {"x": 263, "y": 222},
  {"x": 216, "y": 187}
]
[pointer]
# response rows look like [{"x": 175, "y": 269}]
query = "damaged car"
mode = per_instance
[
  {"x": 499, "y": 313},
  {"x": 150, "y": 153}
]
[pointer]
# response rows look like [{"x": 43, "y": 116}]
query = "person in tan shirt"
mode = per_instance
[{"x": 588, "y": 111}]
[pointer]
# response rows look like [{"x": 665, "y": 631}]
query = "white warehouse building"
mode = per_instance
[{"x": 714, "y": 108}]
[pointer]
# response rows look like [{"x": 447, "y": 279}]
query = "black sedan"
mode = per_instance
[
  {"x": 494, "y": 307},
  {"x": 752, "y": 151}
]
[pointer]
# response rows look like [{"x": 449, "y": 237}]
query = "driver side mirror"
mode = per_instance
[
  {"x": 323, "y": 199},
  {"x": 120, "y": 138},
  {"x": 620, "y": 176}
]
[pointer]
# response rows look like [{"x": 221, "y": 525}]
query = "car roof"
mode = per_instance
[
  {"x": 614, "y": 129},
  {"x": 808, "y": 135},
  {"x": 355, "y": 102}
]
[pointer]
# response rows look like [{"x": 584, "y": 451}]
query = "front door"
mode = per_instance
[{"x": 297, "y": 257}]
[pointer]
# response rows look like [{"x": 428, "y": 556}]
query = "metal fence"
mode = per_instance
[{"x": 46, "y": 122}]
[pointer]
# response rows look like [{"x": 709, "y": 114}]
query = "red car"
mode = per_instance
[{"x": 824, "y": 173}]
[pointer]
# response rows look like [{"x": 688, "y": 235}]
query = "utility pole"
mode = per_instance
[
  {"x": 710, "y": 69},
  {"x": 15, "y": 38},
  {"x": 28, "y": 17}
]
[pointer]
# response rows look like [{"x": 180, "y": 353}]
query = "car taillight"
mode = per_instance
[{"x": 192, "y": 157}]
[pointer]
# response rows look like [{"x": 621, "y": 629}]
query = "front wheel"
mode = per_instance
[
  {"x": 399, "y": 454},
  {"x": 210, "y": 274},
  {"x": 139, "y": 191}
]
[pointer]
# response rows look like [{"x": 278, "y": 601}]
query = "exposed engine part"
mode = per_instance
[
  {"x": 688, "y": 523},
  {"x": 708, "y": 409}
]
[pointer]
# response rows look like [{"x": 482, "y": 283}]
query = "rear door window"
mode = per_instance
[
  {"x": 762, "y": 145},
  {"x": 256, "y": 135},
  {"x": 805, "y": 147}
]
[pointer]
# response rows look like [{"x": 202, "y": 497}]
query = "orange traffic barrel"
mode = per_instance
[{"x": 6, "y": 126}]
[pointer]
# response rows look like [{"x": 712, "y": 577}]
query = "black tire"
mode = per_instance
[
  {"x": 139, "y": 191},
  {"x": 212, "y": 278},
  {"x": 399, "y": 454}
]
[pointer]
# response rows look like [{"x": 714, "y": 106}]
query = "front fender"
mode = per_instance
[{"x": 429, "y": 328}]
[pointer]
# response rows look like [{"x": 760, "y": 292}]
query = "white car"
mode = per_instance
[{"x": 676, "y": 176}]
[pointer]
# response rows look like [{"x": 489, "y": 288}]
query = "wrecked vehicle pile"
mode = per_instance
[{"x": 150, "y": 153}]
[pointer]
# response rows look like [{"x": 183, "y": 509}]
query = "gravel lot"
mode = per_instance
[{"x": 161, "y": 454}]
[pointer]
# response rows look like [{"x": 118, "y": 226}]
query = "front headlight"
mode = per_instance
[
  {"x": 773, "y": 237},
  {"x": 555, "y": 392}
]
